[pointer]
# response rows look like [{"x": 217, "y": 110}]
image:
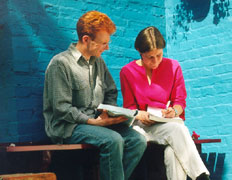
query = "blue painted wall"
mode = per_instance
[
  {"x": 32, "y": 33},
  {"x": 198, "y": 35}
]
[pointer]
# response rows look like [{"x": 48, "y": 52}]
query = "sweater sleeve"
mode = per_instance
[{"x": 129, "y": 100}]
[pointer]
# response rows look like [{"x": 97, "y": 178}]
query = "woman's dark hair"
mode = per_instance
[{"x": 148, "y": 39}]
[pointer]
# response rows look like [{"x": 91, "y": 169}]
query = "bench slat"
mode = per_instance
[
  {"x": 200, "y": 141},
  {"x": 25, "y": 148},
  {"x": 48, "y": 147},
  {"x": 29, "y": 176}
]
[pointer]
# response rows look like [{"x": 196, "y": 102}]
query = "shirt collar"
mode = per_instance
[{"x": 77, "y": 54}]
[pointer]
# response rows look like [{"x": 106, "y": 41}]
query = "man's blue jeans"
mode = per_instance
[{"x": 120, "y": 147}]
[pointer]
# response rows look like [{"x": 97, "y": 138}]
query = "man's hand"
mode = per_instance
[
  {"x": 105, "y": 120},
  {"x": 143, "y": 116}
]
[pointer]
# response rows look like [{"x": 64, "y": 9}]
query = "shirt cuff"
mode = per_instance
[{"x": 82, "y": 119}]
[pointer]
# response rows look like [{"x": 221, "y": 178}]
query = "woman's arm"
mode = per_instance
[
  {"x": 129, "y": 99},
  {"x": 179, "y": 94}
]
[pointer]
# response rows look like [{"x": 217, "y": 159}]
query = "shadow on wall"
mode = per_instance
[
  {"x": 6, "y": 80},
  {"x": 27, "y": 51},
  {"x": 197, "y": 10},
  {"x": 220, "y": 10}
]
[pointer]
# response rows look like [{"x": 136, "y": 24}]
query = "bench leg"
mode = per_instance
[{"x": 75, "y": 164}]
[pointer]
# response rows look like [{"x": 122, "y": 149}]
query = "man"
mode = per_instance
[{"x": 76, "y": 82}]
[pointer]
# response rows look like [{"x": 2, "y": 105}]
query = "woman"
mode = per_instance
[{"x": 153, "y": 81}]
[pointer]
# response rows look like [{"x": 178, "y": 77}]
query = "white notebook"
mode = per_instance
[{"x": 156, "y": 115}]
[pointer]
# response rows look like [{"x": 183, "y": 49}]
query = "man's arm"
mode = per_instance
[
  {"x": 111, "y": 92},
  {"x": 60, "y": 96},
  {"x": 105, "y": 120}
]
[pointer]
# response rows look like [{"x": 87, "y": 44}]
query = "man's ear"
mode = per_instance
[{"x": 85, "y": 39}]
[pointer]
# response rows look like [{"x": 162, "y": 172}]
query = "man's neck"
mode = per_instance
[{"x": 80, "y": 47}]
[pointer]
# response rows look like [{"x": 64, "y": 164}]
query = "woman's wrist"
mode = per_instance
[{"x": 176, "y": 111}]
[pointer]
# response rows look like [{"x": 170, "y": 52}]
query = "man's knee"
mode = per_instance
[
  {"x": 139, "y": 142},
  {"x": 142, "y": 140},
  {"x": 115, "y": 140}
]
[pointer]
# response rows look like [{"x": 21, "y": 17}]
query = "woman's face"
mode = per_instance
[{"x": 152, "y": 59}]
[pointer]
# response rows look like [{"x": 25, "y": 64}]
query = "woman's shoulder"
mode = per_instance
[
  {"x": 171, "y": 62},
  {"x": 131, "y": 68},
  {"x": 130, "y": 65}
]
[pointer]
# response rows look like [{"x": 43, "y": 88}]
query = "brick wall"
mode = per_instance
[
  {"x": 199, "y": 36},
  {"x": 31, "y": 33}
]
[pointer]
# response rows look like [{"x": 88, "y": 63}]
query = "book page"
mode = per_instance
[
  {"x": 119, "y": 111},
  {"x": 156, "y": 115}
]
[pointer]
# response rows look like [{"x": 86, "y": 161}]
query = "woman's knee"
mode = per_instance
[{"x": 178, "y": 128}]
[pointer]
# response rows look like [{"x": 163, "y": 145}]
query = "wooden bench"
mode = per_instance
[
  {"x": 29, "y": 176},
  {"x": 38, "y": 157},
  {"x": 48, "y": 160},
  {"x": 51, "y": 158},
  {"x": 24, "y": 147},
  {"x": 46, "y": 147},
  {"x": 199, "y": 142}
]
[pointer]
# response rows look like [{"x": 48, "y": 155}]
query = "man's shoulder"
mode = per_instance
[
  {"x": 100, "y": 60},
  {"x": 61, "y": 58},
  {"x": 100, "y": 63}
]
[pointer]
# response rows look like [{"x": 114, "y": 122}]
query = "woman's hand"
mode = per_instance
[
  {"x": 172, "y": 112},
  {"x": 143, "y": 117},
  {"x": 168, "y": 113}
]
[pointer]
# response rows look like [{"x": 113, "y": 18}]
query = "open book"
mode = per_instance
[
  {"x": 114, "y": 111},
  {"x": 156, "y": 115}
]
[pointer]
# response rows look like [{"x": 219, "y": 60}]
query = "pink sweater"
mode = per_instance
[{"x": 167, "y": 83}]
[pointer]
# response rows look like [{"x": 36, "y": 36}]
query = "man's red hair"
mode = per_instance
[{"x": 92, "y": 22}]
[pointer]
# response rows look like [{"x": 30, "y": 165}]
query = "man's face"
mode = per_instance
[{"x": 101, "y": 43}]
